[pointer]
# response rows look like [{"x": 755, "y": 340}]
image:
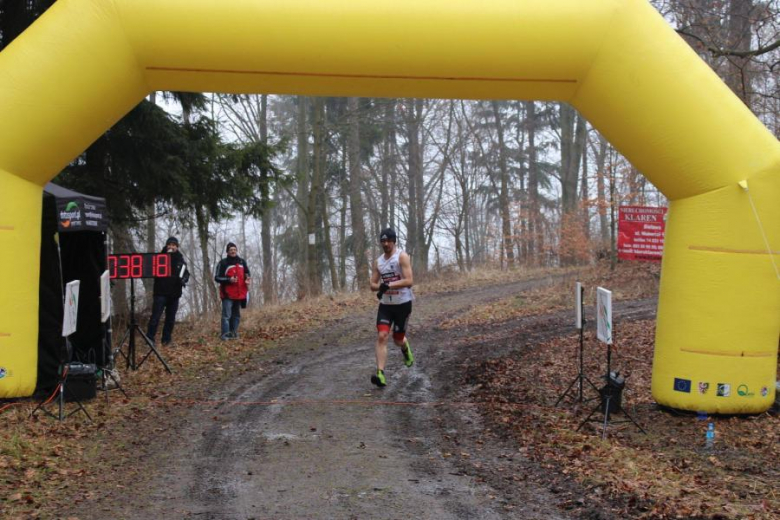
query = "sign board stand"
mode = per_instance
[
  {"x": 132, "y": 328},
  {"x": 579, "y": 322},
  {"x": 611, "y": 393},
  {"x": 69, "y": 324},
  {"x": 107, "y": 372}
]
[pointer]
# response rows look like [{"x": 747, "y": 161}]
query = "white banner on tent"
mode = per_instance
[
  {"x": 604, "y": 315},
  {"x": 71, "y": 314},
  {"x": 578, "y": 305},
  {"x": 105, "y": 296}
]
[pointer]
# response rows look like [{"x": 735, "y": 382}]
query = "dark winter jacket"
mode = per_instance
[
  {"x": 173, "y": 285},
  {"x": 227, "y": 268}
]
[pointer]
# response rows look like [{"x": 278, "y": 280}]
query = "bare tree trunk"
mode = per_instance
[
  {"x": 242, "y": 245},
  {"x": 269, "y": 294},
  {"x": 422, "y": 264},
  {"x": 601, "y": 192},
  {"x": 209, "y": 288},
  {"x": 503, "y": 197},
  {"x": 535, "y": 237},
  {"x": 572, "y": 144},
  {"x": 344, "y": 187},
  {"x": 326, "y": 241},
  {"x": 197, "y": 299},
  {"x": 413, "y": 137},
  {"x": 584, "y": 191},
  {"x": 314, "y": 272},
  {"x": 416, "y": 218},
  {"x": 612, "y": 221},
  {"x": 355, "y": 201},
  {"x": 302, "y": 166},
  {"x": 738, "y": 73},
  {"x": 387, "y": 134}
]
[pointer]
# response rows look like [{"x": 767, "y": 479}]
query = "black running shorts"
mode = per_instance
[{"x": 395, "y": 315}]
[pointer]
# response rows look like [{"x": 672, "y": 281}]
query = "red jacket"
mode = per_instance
[{"x": 237, "y": 290}]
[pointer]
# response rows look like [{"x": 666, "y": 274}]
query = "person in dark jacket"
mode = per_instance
[
  {"x": 233, "y": 277},
  {"x": 167, "y": 292}
]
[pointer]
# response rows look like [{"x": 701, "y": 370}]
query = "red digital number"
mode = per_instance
[
  {"x": 124, "y": 266},
  {"x": 162, "y": 266},
  {"x": 112, "y": 266},
  {"x": 137, "y": 266}
]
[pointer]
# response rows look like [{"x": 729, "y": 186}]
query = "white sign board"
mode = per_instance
[
  {"x": 71, "y": 314},
  {"x": 105, "y": 296},
  {"x": 578, "y": 305},
  {"x": 312, "y": 239},
  {"x": 604, "y": 315}
]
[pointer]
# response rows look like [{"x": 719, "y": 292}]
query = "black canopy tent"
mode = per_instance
[{"x": 73, "y": 247}]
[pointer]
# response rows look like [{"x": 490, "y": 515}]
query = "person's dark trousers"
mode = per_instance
[
  {"x": 170, "y": 305},
  {"x": 231, "y": 316}
]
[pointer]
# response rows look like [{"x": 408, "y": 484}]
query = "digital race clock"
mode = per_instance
[{"x": 140, "y": 265}]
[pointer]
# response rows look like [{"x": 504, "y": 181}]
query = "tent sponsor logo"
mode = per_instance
[
  {"x": 703, "y": 387},
  {"x": 724, "y": 390},
  {"x": 2, "y": 372},
  {"x": 70, "y": 214},
  {"x": 764, "y": 391}
]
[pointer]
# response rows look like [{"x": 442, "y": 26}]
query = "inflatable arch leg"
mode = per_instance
[
  {"x": 20, "y": 242},
  {"x": 719, "y": 306},
  {"x": 718, "y": 324}
]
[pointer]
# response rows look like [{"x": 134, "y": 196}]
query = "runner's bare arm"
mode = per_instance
[
  {"x": 407, "y": 280},
  {"x": 375, "y": 277}
]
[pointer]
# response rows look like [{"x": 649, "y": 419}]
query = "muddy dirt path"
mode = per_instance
[{"x": 312, "y": 438}]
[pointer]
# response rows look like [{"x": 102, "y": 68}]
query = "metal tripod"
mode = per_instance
[
  {"x": 132, "y": 328},
  {"x": 580, "y": 378},
  {"x": 610, "y": 391}
]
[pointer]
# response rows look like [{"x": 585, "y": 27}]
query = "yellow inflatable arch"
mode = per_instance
[{"x": 86, "y": 63}]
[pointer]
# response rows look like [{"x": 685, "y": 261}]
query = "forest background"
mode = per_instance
[{"x": 304, "y": 184}]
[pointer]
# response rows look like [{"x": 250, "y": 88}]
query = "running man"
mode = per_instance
[{"x": 391, "y": 276}]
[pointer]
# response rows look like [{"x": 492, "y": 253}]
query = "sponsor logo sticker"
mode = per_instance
[
  {"x": 764, "y": 391},
  {"x": 2, "y": 372},
  {"x": 744, "y": 391},
  {"x": 682, "y": 385},
  {"x": 703, "y": 387},
  {"x": 70, "y": 214},
  {"x": 724, "y": 390}
]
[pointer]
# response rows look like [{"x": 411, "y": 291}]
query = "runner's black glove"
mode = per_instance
[{"x": 382, "y": 289}]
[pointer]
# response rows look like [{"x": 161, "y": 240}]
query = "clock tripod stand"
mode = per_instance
[{"x": 132, "y": 328}]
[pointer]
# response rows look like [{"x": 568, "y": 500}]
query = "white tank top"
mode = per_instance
[{"x": 390, "y": 271}]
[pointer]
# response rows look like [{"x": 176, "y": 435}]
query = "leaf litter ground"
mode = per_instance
[{"x": 47, "y": 467}]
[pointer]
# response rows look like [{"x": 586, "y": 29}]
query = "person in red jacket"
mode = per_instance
[{"x": 233, "y": 277}]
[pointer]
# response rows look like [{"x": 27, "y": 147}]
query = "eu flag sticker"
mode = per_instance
[{"x": 682, "y": 385}]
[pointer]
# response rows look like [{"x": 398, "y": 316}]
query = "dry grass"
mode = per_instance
[{"x": 627, "y": 282}]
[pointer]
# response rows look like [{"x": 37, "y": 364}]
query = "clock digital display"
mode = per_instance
[{"x": 139, "y": 265}]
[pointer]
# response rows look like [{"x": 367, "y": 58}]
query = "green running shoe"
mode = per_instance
[
  {"x": 379, "y": 378},
  {"x": 408, "y": 356}
]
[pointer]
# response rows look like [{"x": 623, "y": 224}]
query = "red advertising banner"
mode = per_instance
[{"x": 641, "y": 233}]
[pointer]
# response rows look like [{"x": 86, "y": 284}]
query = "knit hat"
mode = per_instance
[
  {"x": 172, "y": 240},
  {"x": 388, "y": 234},
  {"x": 230, "y": 244}
]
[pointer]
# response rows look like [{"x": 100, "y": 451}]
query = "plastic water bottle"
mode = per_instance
[{"x": 710, "y": 436}]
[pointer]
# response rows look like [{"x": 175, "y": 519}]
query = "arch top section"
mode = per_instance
[
  {"x": 85, "y": 63},
  {"x": 402, "y": 48}
]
